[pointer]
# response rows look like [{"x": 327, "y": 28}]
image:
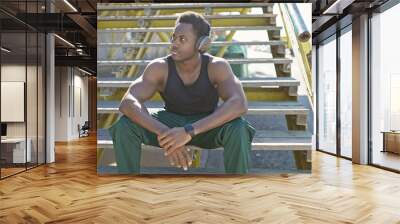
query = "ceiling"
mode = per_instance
[
  {"x": 327, "y": 13},
  {"x": 76, "y": 24}
]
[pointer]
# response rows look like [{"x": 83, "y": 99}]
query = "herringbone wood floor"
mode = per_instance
[{"x": 70, "y": 191}]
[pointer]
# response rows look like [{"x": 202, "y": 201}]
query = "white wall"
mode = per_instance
[
  {"x": 69, "y": 85},
  {"x": 80, "y": 84},
  {"x": 61, "y": 103}
]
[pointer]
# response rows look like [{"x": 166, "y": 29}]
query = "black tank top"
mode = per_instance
[{"x": 197, "y": 98}]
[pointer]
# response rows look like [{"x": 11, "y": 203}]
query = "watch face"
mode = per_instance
[{"x": 189, "y": 129}]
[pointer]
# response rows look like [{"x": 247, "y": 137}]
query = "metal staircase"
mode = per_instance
[{"x": 125, "y": 35}]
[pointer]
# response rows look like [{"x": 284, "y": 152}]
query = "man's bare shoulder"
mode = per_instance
[
  {"x": 216, "y": 62},
  {"x": 219, "y": 69},
  {"x": 158, "y": 64},
  {"x": 156, "y": 70}
]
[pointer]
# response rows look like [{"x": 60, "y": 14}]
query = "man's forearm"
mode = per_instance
[
  {"x": 228, "y": 111},
  {"x": 138, "y": 113}
]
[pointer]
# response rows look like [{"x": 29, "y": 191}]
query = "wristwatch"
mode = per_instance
[{"x": 189, "y": 129}]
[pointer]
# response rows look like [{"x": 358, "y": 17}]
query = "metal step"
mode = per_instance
[
  {"x": 225, "y": 20},
  {"x": 107, "y": 144},
  {"x": 254, "y": 108},
  {"x": 260, "y": 136},
  {"x": 137, "y": 6},
  {"x": 231, "y": 61},
  {"x": 174, "y": 17},
  {"x": 273, "y": 141},
  {"x": 250, "y": 83},
  {"x": 215, "y": 43},
  {"x": 171, "y": 29}
]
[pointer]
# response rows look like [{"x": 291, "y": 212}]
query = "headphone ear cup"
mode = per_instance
[
  {"x": 198, "y": 43},
  {"x": 202, "y": 41}
]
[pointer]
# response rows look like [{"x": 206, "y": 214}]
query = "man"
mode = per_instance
[{"x": 190, "y": 82}]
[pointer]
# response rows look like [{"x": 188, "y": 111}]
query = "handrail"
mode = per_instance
[
  {"x": 302, "y": 33},
  {"x": 298, "y": 47}
]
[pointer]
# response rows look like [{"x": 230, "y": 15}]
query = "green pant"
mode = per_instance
[{"x": 234, "y": 136}]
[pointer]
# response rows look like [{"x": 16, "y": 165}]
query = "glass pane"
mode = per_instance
[
  {"x": 327, "y": 96},
  {"x": 385, "y": 89},
  {"x": 346, "y": 94},
  {"x": 23, "y": 85},
  {"x": 13, "y": 85}
]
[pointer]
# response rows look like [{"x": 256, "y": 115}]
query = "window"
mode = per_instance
[
  {"x": 327, "y": 95},
  {"x": 385, "y": 86},
  {"x": 346, "y": 92}
]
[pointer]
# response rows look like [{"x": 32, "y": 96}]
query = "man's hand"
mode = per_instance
[
  {"x": 181, "y": 158},
  {"x": 173, "y": 139}
]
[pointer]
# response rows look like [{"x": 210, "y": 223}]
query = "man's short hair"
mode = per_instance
[{"x": 199, "y": 23}]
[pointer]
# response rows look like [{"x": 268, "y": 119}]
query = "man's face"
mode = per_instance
[{"x": 183, "y": 42}]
